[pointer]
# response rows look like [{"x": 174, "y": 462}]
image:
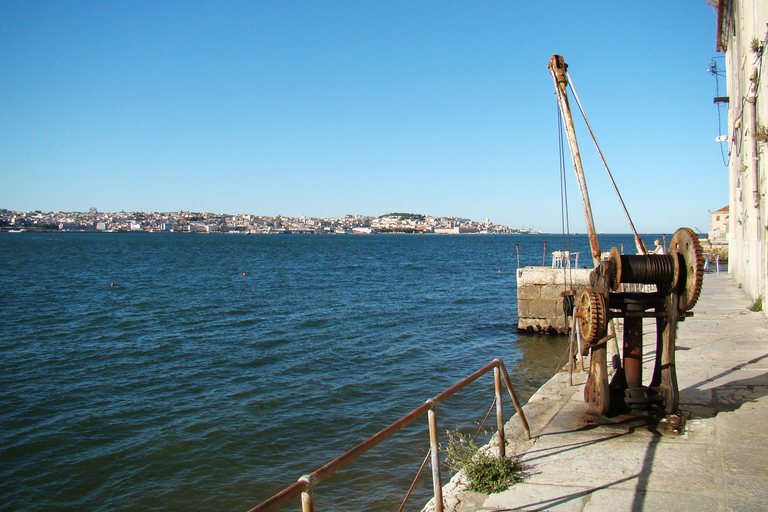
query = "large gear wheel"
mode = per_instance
[
  {"x": 689, "y": 266},
  {"x": 594, "y": 319}
]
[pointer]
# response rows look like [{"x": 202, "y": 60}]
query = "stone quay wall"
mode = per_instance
[{"x": 539, "y": 303}]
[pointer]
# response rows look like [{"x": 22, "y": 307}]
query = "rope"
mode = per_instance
[
  {"x": 482, "y": 424},
  {"x": 641, "y": 247},
  {"x": 560, "y": 364},
  {"x": 564, "y": 214},
  {"x": 564, "y": 221},
  {"x": 413, "y": 484}
]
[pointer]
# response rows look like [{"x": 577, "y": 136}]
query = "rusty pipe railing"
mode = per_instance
[{"x": 306, "y": 484}]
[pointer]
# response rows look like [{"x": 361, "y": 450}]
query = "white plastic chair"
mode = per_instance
[{"x": 708, "y": 259}]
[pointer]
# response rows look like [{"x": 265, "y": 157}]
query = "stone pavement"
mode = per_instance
[{"x": 718, "y": 462}]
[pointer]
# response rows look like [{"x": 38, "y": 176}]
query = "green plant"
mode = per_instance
[
  {"x": 756, "y": 46},
  {"x": 485, "y": 473},
  {"x": 761, "y": 133},
  {"x": 757, "y": 306}
]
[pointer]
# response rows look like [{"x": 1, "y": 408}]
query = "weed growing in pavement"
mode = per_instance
[
  {"x": 486, "y": 473},
  {"x": 757, "y": 306}
]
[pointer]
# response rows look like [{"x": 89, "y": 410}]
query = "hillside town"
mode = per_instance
[{"x": 198, "y": 222}]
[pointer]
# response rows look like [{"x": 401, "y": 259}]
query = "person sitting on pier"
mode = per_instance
[{"x": 659, "y": 249}]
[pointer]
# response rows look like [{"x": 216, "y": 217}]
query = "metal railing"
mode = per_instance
[{"x": 306, "y": 484}]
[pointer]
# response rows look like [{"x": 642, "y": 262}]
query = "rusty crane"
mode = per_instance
[{"x": 677, "y": 276}]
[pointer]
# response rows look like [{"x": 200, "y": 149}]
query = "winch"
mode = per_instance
[{"x": 676, "y": 277}]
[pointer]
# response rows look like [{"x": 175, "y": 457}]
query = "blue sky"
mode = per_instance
[{"x": 330, "y": 108}]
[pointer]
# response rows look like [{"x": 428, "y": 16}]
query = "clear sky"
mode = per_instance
[{"x": 324, "y": 109}]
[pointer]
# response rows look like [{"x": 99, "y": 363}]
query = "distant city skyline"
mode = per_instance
[
  {"x": 210, "y": 222},
  {"x": 329, "y": 108}
]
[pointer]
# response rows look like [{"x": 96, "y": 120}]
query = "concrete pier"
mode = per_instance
[
  {"x": 716, "y": 462},
  {"x": 539, "y": 303}
]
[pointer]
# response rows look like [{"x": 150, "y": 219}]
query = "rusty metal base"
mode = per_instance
[
  {"x": 637, "y": 401},
  {"x": 668, "y": 425}
]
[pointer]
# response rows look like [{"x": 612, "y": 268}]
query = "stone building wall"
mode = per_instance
[{"x": 742, "y": 33}]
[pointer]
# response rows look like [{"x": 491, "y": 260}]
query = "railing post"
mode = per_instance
[
  {"x": 499, "y": 411},
  {"x": 308, "y": 496},
  {"x": 514, "y": 398},
  {"x": 435, "y": 452}
]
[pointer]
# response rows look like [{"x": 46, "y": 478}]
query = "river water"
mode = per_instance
[{"x": 208, "y": 372}]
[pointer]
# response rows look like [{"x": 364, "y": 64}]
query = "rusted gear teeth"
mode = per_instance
[
  {"x": 593, "y": 320},
  {"x": 686, "y": 244}
]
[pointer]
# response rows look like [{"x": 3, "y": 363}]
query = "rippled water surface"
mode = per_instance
[{"x": 162, "y": 372}]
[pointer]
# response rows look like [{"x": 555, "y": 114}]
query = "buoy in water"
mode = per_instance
[{"x": 245, "y": 273}]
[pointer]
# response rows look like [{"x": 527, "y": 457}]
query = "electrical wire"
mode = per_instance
[{"x": 713, "y": 70}]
